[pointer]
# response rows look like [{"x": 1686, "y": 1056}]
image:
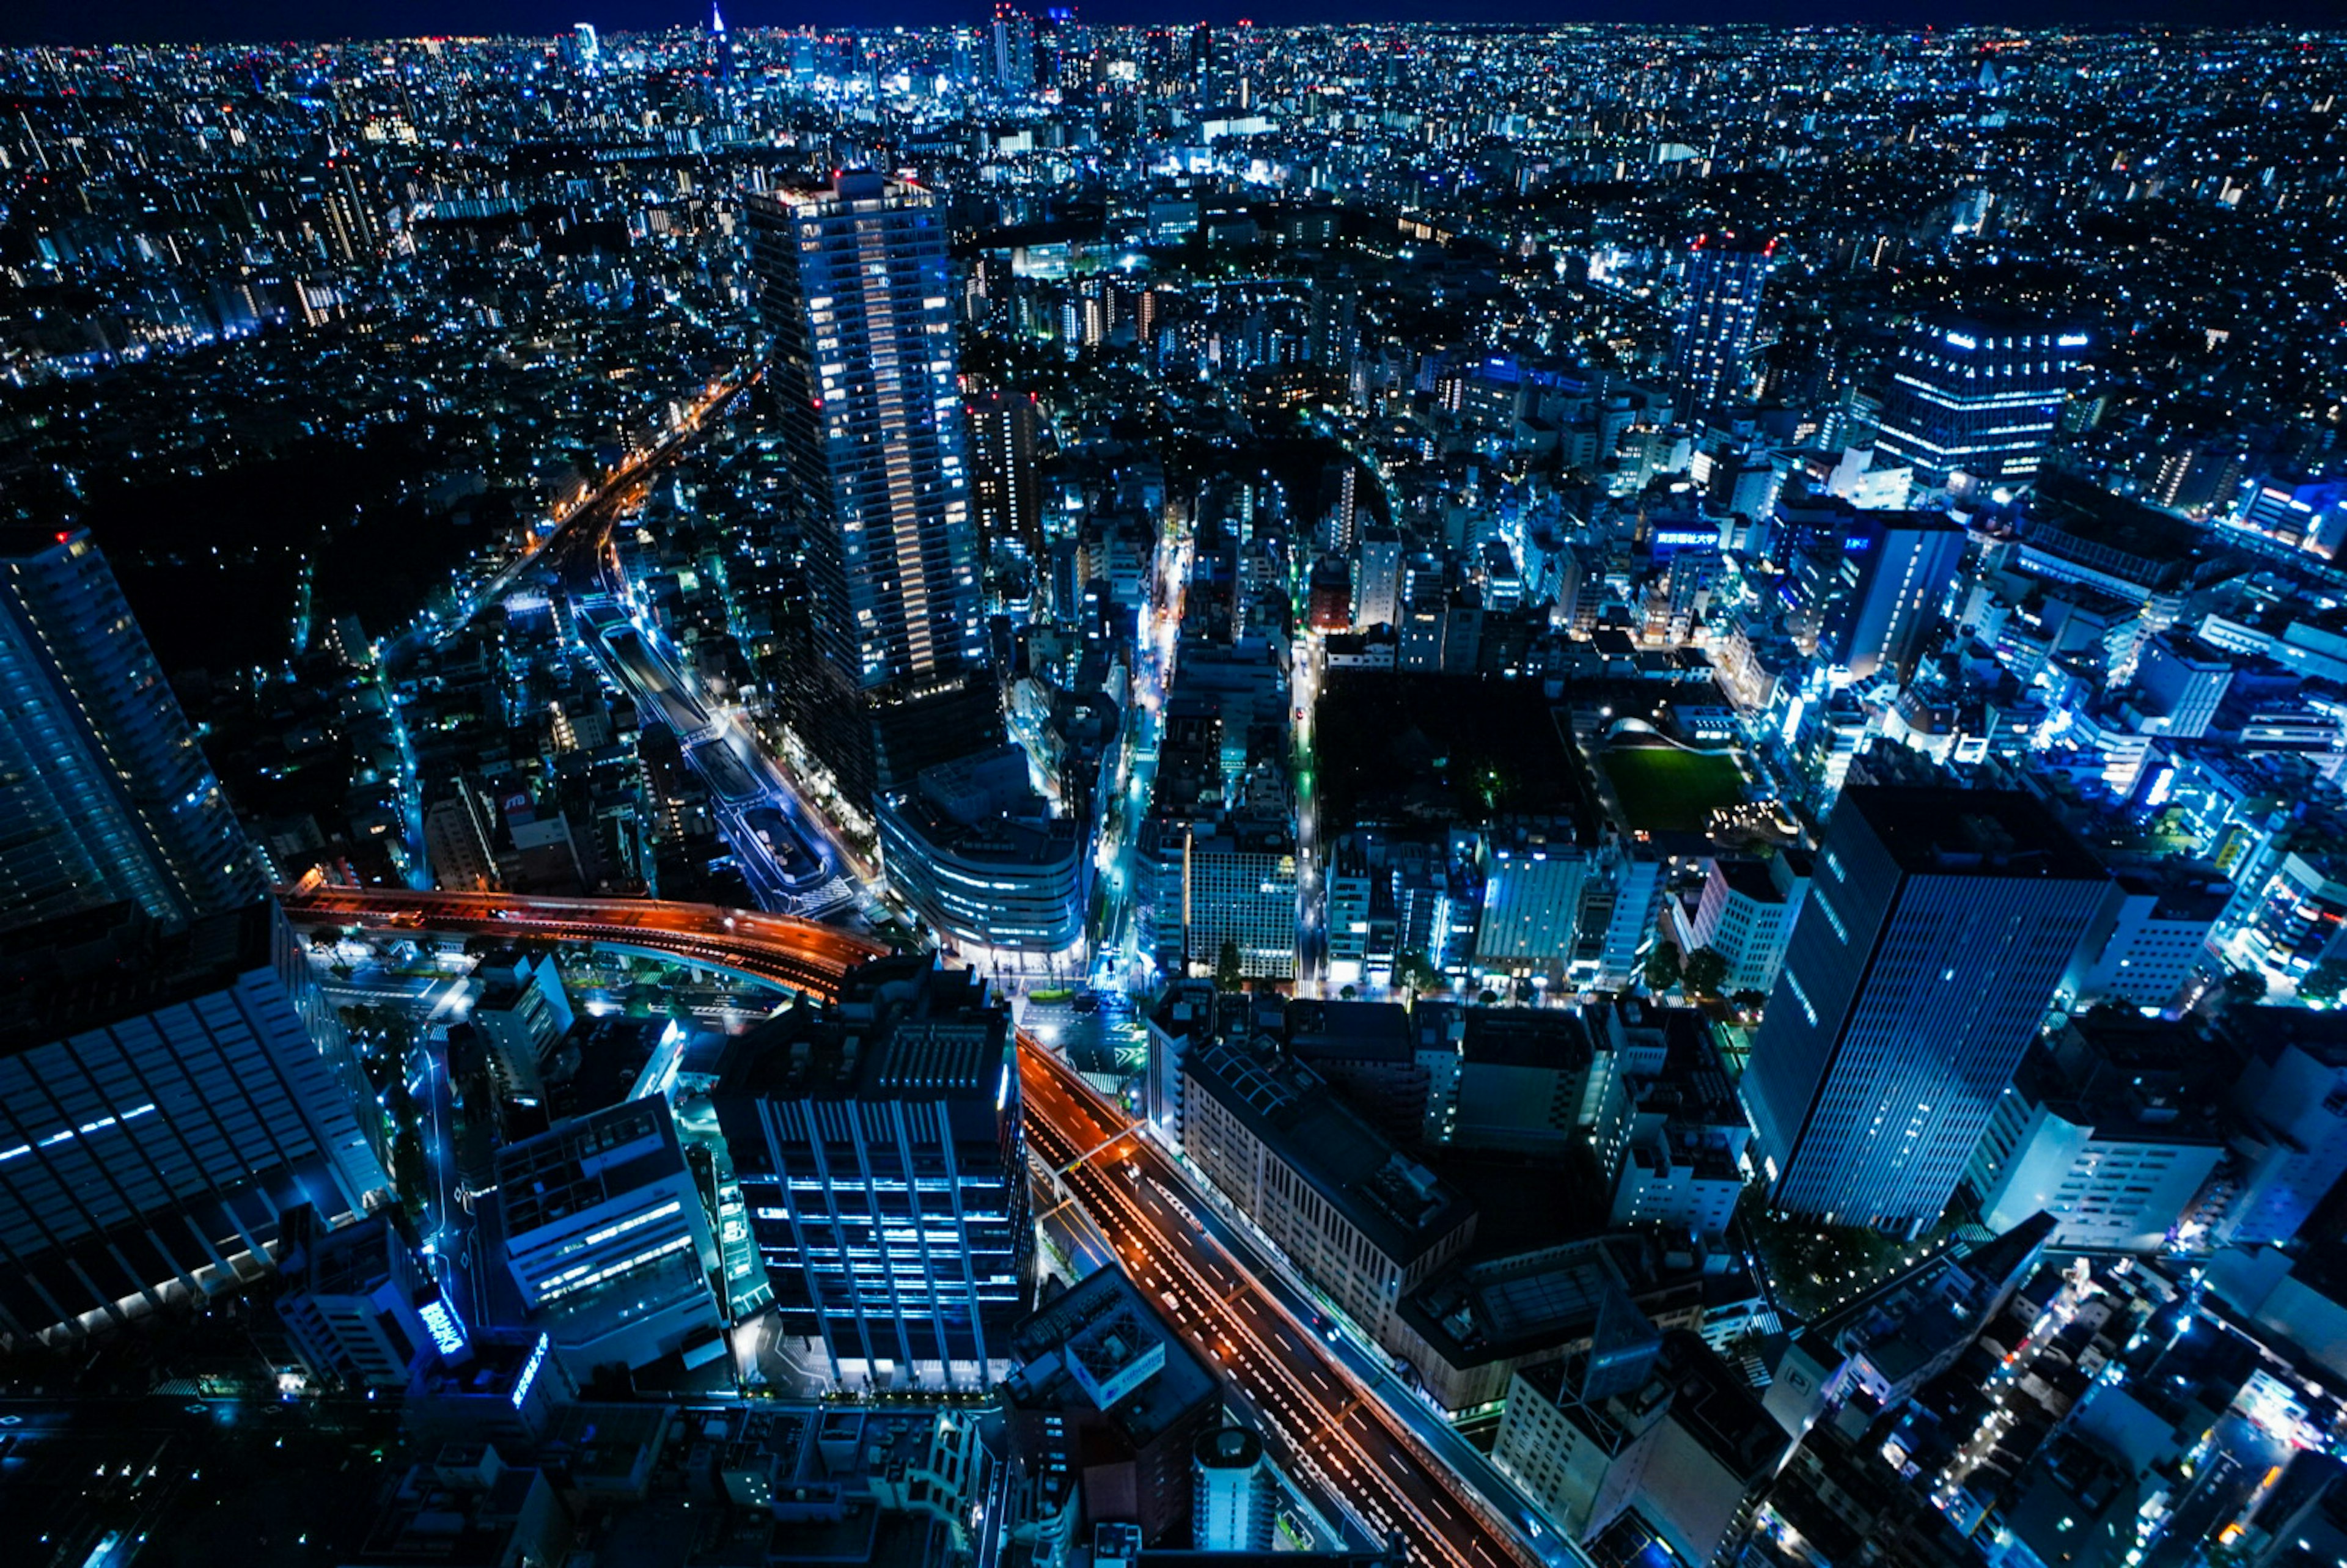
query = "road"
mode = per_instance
[
  {"x": 1116, "y": 933},
  {"x": 1317, "y": 1419},
  {"x": 774, "y": 950},
  {"x": 791, "y": 859},
  {"x": 592, "y": 513}
]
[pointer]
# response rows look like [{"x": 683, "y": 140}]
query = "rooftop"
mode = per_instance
[{"x": 1399, "y": 1205}]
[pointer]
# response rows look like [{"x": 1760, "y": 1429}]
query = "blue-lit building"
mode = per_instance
[
  {"x": 1879, "y": 583},
  {"x": 104, "y": 793},
  {"x": 1937, "y": 927},
  {"x": 1974, "y": 397},
  {"x": 607, "y": 1236},
  {"x": 167, "y": 1096},
  {"x": 353, "y": 1300},
  {"x": 979, "y": 857},
  {"x": 877, "y": 1146},
  {"x": 1719, "y": 312},
  {"x": 857, "y": 294}
]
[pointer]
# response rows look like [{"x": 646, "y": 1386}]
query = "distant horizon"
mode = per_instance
[{"x": 128, "y": 23}]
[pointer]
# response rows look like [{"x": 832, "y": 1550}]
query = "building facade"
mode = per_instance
[
  {"x": 1719, "y": 311},
  {"x": 104, "y": 792},
  {"x": 856, "y": 293},
  {"x": 1975, "y": 398},
  {"x": 1362, "y": 1221},
  {"x": 607, "y": 1236},
  {"x": 878, "y": 1149},
  {"x": 1937, "y": 929}
]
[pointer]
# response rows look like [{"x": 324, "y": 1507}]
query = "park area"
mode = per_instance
[{"x": 1664, "y": 790}]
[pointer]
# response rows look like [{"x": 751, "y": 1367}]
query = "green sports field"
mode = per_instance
[{"x": 1666, "y": 791}]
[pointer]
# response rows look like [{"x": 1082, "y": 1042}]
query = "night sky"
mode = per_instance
[{"x": 117, "y": 21}]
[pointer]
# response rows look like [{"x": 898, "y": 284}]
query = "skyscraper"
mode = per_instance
[
  {"x": 1937, "y": 927},
  {"x": 857, "y": 295},
  {"x": 1719, "y": 311},
  {"x": 104, "y": 792},
  {"x": 879, "y": 1150},
  {"x": 167, "y": 1096},
  {"x": 1974, "y": 397},
  {"x": 1885, "y": 575},
  {"x": 1006, "y": 482}
]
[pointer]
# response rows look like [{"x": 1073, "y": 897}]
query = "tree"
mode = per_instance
[
  {"x": 2324, "y": 983},
  {"x": 1705, "y": 972},
  {"x": 1663, "y": 966},
  {"x": 2244, "y": 988},
  {"x": 1228, "y": 969},
  {"x": 1413, "y": 972}
]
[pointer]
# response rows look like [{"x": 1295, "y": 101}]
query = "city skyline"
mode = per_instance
[
  {"x": 1038, "y": 793},
  {"x": 133, "y": 22}
]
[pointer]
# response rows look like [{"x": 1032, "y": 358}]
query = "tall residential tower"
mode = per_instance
[
  {"x": 1719, "y": 312},
  {"x": 857, "y": 297}
]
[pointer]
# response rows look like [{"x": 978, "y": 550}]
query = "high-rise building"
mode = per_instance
[
  {"x": 857, "y": 296},
  {"x": 167, "y": 1096},
  {"x": 878, "y": 1145},
  {"x": 1719, "y": 312},
  {"x": 1975, "y": 396},
  {"x": 607, "y": 1236},
  {"x": 1938, "y": 924},
  {"x": 1745, "y": 915},
  {"x": 1006, "y": 483},
  {"x": 1233, "y": 1498},
  {"x": 104, "y": 792},
  {"x": 1889, "y": 574}
]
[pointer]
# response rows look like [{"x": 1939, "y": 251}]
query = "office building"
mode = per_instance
[
  {"x": 1684, "y": 1165},
  {"x": 1535, "y": 890},
  {"x": 1895, "y": 570},
  {"x": 1684, "y": 1446},
  {"x": 353, "y": 1299},
  {"x": 607, "y": 1236},
  {"x": 1102, "y": 1394},
  {"x": 1367, "y": 1052},
  {"x": 1938, "y": 926},
  {"x": 1719, "y": 312},
  {"x": 977, "y": 854},
  {"x": 2291, "y": 1100},
  {"x": 878, "y": 1145},
  {"x": 1745, "y": 915},
  {"x": 1235, "y": 1498},
  {"x": 167, "y": 1095},
  {"x": 857, "y": 294},
  {"x": 1007, "y": 481},
  {"x": 1527, "y": 1080},
  {"x": 104, "y": 792},
  {"x": 2153, "y": 939},
  {"x": 2111, "y": 1126},
  {"x": 1361, "y": 1219},
  {"x": 1237, "y": 889},
  {"x": 1975, "y": 396},
  {"x": 523, "y": 1014},
  {"x": 1377, "y": 587}
]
